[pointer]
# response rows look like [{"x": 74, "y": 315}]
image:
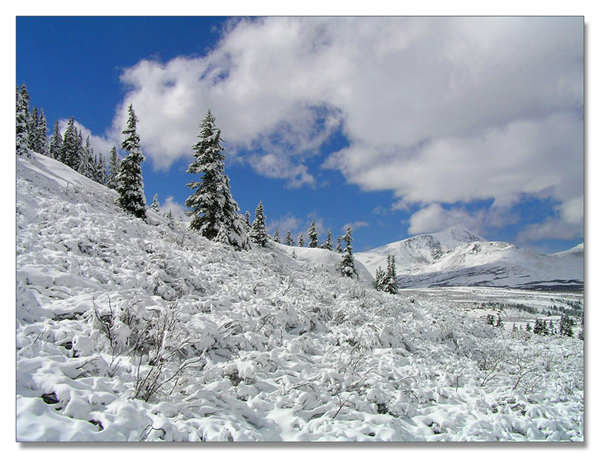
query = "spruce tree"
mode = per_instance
[
  {"x": 22, "y": 122},
  {"x": 339, "y": 244},
  {"x": 214, "y": 212},
  {"x": 114, "y": 165},
  {"x": 155, "y": 205},
  {"x": 130, "y": 182},
  {"x": 313, "y": 236},
  {"x": 301, "y": 240},
  {"x": 70, "y": 146},
  {"x": 347, "y": 264},
  {"x": 32, "y": 128},
  {"x": 258, "y": 232},
  {"x": 86, "y": 165},
  {"x": 327, "y": 245},
  {"x": 101, "y": 169},
  {"x": 42, "y": 135},
  {"x": 391, "y": 282},
  {"x": 276, "y": 236},
  {"x": 56, "y": 141},
  {"x": 289, "y": 241},
  {"x": 247, "y": 221}
]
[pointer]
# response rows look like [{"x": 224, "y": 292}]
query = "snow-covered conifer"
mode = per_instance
[
  {"x": 23, "y": 121},
  {"x": 101, "y": 169},
  {"x": 56, "y": 141},
  {"x": 114, "y": 165},
  {"x": 247, "y": 221},
  {"x": 391, "y": 282},
  {"x": 301, "y": 240},
  {"x": 276, "y": 237},
  {"x": 70, "y": 151},
  {"x": 86, "y": 165},
  {"x": 313, "y": 236},
  {"x": 130, "y": 182},
  {"x": 338, "y": 247},
  {"x": 155, "y": 204},
  {"x": 347, "y": 264},
  {"x": 328, "y": 244},
  {"x": 214, "y": 212},
  {"x": 258, "y": 232},
  {"x": 289, "y": 241},
  {"x": 41, "y": 141}
]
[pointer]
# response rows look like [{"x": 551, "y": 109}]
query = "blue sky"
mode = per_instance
[{"x": 396, "y": 126}]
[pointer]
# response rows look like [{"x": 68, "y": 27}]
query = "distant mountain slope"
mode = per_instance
[{"x": 457, "y": 257}]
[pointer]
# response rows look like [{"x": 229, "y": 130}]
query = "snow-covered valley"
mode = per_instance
[{"x": 128, "y": 331}]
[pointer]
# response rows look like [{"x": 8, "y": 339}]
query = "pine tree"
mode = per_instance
[
  {"x": 289, "y": 241},
  {"x": 213, "y": 210},
  {"x": 130, "y": 182},
  {"x": 313, "y": 236},
  {"x": 56, "y": 141},
  {"x": 32, "y": 128},
  {"x": 327, "y": 245},
  {"x": 499, "y": 322},
  {"x": 42, "y": 135},
  {"x": 114, "y": 166},
  {"x": 23, "y": 121},
  {"x": 247, "y": 221},
  {"x": 101, "y": 169},
  {"x": 566, "y": 326},
  {"x": 301, "y": 240},
  {"x": 86, "y": 165},
  {"x": 155, "y": 205},
  {"x": 538, "y": 327},
  {"x": 347, "y": 264},
  {"x": 339, "y": 244},
  {"x": 391, "y": 282},
  {"x": 70, "y": 151},
  {"x": 380, "y": 279},
  {"x": 258, "y": 232},
  {"x": 276, "y": 236}
]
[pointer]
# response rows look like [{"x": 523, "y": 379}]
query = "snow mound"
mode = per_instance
[{"x": 128, "y": 331}]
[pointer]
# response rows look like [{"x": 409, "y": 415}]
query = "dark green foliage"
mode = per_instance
[
  {"x": 313, "y": 236},
  {"x": 114, "y": 165},
  {"x": 22, "y": 122},
  {"x": 70, "y": 151},
  {"x": 56, "y": 141},
  {"x": 347, "y": 264},
  {"x": 214, "y": 212},
  {"x": 258, "y": 232},
  {"x": 289, "y": 241},
  {"x": 130, "y": 182},
  {"x": 327, "y": 245},
  {"x": 386, "y": 280}
]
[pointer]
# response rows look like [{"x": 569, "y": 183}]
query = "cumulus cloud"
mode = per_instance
[
  {"x": 436, "y": 110},
  {"x": 177, "y": 211},
  {"x": 567, "y": 225}
]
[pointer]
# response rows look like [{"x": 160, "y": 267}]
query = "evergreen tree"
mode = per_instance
[
  {"x": 130, "y": 182},
  {"x": 499, "y": 322},
  {"x": 301, "y": 240},
  {"x": 347, "y": 264},
  {"x": 490, "y": 320},
  {"x": 56, "y": 141},
  {"x": 114, "y": 166},
  {"x": 247, "y": 221},
  {"x": 528, "y": 327},
  {"x": 380, "y": 279},
  {"x": 328, "y": 243},
  {"x": 538, "y": 327},
  {"x": 70, "y": 146},
  {"x": 86, "y": 165},
  {"x": 566, "y": 326},
  {"x": 313, "y": 236},
  {"x": 289, "y": 241},
  {"x": 32, "y": 129},
  {"x": 170, "y": 220},
  {"x": 155, "y": 205},
  {"x": 339, "y": 244},
  {"x": 580, "y": 336},
  {"x": 101, "y": 169},
  {"x": 391, "y": 282},
  {"x": 276, "y": 236},
  {"x": 258, "y": 232},
  {"x": 23, "y": 121},
  {"x": 41, "y": 143},
  {"x": 213, "y": 210}
]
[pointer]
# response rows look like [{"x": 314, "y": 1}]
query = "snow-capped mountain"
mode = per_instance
[{"x": 458, "y": 257}]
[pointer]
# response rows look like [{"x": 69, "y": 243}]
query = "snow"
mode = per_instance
[
  {"x": 128, "y": 331},
  {"x": 456, "y": 257}
]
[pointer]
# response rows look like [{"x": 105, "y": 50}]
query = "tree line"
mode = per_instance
[{"x": 214, "y": 212}]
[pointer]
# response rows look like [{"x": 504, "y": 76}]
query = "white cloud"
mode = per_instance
[
  {"x": 443, "y": 110},
  {"x": 177, "y": 210},
  {"x": 567, "y": 225},
  {"x": 434, "y": 217}
]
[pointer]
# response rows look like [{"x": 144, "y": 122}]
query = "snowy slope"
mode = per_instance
[
  {"x": 128, "y": 331},
  {"x": 456, "y": 257}
]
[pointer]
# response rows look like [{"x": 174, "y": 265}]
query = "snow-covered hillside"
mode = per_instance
[
  {"x": 457, "y": 257},
  {"x": 128, "y": 331}
]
